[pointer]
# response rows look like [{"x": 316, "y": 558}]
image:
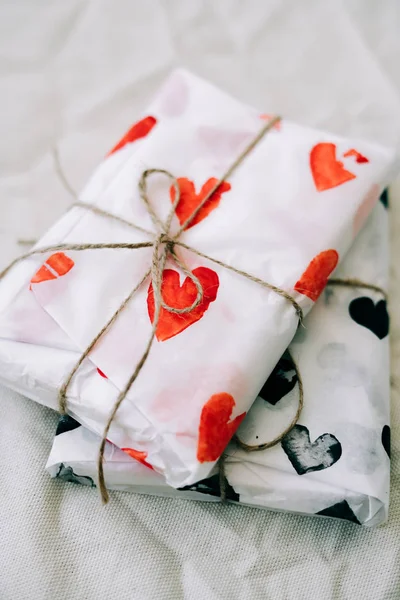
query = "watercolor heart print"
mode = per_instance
[
  {"x": 329, "y": 172},
  {"x": 282, "y": 380},
  {"x": 211, "y": 487},
  {"x": 174, "y": 96},
  {"x": 222, "y": 143},
  {"x": 373, "y": 316},
  {"x": 66, "y": 423},
  {"x": 190, "y": 199},
  {"x": 307, "y": 456},
  {"x": 216, "y": 427},
  {"x": 315, "y": 277},
  {"x": 55, "y": 266},
  {"x": 181, "y": 296},
  {"x": 136, "y": 132},
  {"x": 138, "y": 455},
  {"x": 67, "y": 474},
  {"x": 340, "y": 510},
  {"x": 385, "y": 438}
]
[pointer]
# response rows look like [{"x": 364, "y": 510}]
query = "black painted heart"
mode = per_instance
[
  {"x": 67, "y": 474},
  {"x": 384, "y": 198},
  {"x": 340, "y": 510},
  {"x": 66, "y": 423},
  {"x": 307, "y": 456},
  {"x": 281, "y": 381},
  {"x": 370, "y": 315},
  {"x": 211, "y": 487},
  {"x": 386, "y": 439}
]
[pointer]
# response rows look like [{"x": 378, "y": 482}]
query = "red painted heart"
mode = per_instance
[
  {"x": 221, "y": 143},
  {"x": 359, "y": 157},
  {"x": 326, "y": 170},
  {"x": 138, "y": 455},
  {"x": 174, "y": 96},
  {"x": 178, "y": 296},
  {"x": 315, "y": 277},
  {"x": 216, "y": 430},
  {"x": 189, "y": 200},
  {"x": 56, "y": 265},
  {"x": 137, "y": 131}
]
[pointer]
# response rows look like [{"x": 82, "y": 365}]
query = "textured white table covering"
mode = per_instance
[{"x": 77, "y": 74}]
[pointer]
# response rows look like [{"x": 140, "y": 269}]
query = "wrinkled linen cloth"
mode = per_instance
[
  {"x": 75, "y": 75},
  {"x": 343, "y": 358},
  {"x": 205, "y": 367}
]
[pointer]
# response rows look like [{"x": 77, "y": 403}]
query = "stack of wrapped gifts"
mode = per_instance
[{"x": 166, "y": 314}]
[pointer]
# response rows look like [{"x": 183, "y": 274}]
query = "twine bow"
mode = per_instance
[{"x": 164, "y": 246}]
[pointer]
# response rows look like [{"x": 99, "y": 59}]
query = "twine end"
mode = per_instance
[
  {"x": 104, "y": 497},
  {"x": 100, "y": 470},
  {"x": 62, "y": 402},
  {"x": 300, "y": 314},
  {"x": 102, "y": 486}
]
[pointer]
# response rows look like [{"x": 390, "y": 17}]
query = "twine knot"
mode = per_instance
[{"x": 164, "y": 244}]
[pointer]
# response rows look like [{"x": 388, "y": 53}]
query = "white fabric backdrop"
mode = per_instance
[{"x": 77, "y": 74}]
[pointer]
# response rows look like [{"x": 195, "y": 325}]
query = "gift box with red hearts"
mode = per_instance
[
  {"x": 335, "y": 462},
  {"x": 287, "y": 216}
]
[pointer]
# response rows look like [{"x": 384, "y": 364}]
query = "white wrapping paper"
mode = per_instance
[
  {"x": 343, "y": 470},
  {"x": 286, "y": 216}
]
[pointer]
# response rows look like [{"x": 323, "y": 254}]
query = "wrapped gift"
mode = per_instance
[
  {"x": 335, "y": 461},
  {"x": 283, "y": 217}
]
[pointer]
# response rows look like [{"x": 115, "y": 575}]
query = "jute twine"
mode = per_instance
[
  {"x": 358, "y": 283},
  {"x": 163, "y": 244}
]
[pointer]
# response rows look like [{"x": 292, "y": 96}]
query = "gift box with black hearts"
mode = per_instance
[{"x": 335, "y": 462}]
